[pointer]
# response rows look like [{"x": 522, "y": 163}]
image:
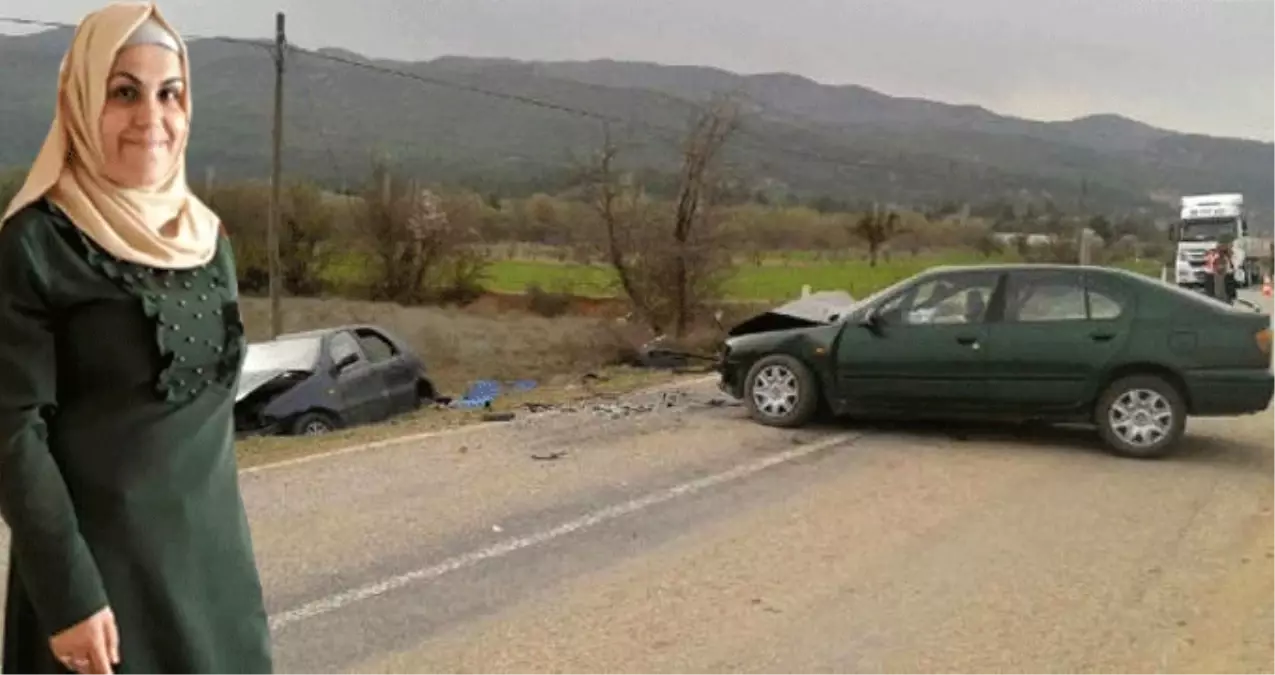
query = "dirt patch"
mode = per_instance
[
  {"x": 463, "y": 345},
  {"x": 574, "y": 305}
]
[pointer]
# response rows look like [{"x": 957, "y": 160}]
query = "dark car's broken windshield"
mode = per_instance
[{"x": 290, "y": 354}]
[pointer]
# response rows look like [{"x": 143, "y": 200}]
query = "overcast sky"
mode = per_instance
[{"x": 1205, "y": 66}]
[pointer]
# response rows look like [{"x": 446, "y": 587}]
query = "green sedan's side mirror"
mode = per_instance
[{"x": 872, "y": 321}]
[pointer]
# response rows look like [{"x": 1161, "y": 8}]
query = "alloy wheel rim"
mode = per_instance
[
  {"x": 776, "y": 391},
  {"x": 1141, "y": 417}
]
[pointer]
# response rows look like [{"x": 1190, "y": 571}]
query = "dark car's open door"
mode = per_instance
[
  {"x": 398, "y": 372},
  {"x": 360, "y": 385}
]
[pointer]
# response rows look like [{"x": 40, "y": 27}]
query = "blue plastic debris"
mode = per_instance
[
  {"x": 479, "y": 395},
  {"x": 482, "y": 392}
]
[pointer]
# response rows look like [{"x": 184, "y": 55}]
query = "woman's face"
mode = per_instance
[{"x": 144, "y": 120}]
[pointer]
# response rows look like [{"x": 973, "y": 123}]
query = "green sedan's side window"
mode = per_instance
[
  {"x": 1045, "y": 296},
  {"x": 949, "y": 299},
  {"x": 1053, "y": 295},
  {"x": 1107, "y": 301},
  {"x": 1103, "y": 306}
]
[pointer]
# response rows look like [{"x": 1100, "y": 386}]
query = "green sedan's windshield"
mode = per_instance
[{"x": 879, "y": 295}]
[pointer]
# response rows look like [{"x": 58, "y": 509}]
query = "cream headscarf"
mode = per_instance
[{"x": 165, "y": 226}]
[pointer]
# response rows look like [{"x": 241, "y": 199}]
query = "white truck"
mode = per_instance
[{"x": 1205, "y": 218}]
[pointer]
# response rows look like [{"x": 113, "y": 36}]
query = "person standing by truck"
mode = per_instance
[{"x": 1220, "y": 265}]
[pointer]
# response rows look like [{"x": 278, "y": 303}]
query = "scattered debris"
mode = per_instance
[
  {"x": 482, "y": 393},
  {"x": 498, "y": 417},
  {"x": 654, "y": 355},
  {"x": 551, "y": 456}
]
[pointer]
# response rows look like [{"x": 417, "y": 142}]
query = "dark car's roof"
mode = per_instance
[{"x": 319, "y": 332}]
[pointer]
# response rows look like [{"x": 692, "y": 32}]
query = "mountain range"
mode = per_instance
[{"x": 799, "y": 138}]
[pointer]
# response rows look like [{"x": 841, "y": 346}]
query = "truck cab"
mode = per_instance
[{"x": 1204, "y": 219}]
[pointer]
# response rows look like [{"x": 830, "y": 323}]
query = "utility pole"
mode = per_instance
[{"x": 272, "y": 231}]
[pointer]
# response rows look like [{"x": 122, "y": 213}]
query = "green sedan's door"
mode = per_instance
[
  {"x": 1058, "y": 331},
  {"x": 925, "y": 348}
]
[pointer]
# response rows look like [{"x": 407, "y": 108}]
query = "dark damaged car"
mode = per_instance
[
  {"x": 1130, "y": 355},
  {"x": 315, "y": 382}
]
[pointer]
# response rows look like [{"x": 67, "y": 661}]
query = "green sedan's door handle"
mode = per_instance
[
  {"x": 1101, "y": 337},
  {"x": 968, "y": 340}
]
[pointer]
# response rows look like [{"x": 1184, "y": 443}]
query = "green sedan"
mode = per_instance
[{"x": 1056, "y": 343}]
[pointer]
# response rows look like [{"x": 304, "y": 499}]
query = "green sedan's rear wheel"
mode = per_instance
[
  {"x": 1141, "y": 416},
  {"x": 781, "y": 392}
]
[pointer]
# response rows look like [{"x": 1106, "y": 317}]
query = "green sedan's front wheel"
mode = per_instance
[
  {"x": 781, "y": 392},
  {"x": 1141, "y": 416}
]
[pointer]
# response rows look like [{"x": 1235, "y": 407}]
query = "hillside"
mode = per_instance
[{"x": 801, "y": 138}]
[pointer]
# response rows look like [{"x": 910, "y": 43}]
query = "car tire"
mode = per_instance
[
  {"x": 313, "y": 423},
  {"x": 1141, "y": 416},
  {"x": 792, "y": 397},
  {"x": 425, "y": 394}
]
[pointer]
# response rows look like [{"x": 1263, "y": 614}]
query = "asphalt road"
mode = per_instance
[{"x": 675, "y": 535}]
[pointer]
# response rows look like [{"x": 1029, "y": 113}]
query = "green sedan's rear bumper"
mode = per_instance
[{"x": 1229, "y": 392}]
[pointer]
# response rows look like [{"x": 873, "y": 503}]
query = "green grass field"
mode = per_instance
[{"x": 773, "y": 280}]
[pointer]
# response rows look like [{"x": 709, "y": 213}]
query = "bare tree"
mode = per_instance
[
  {"x": 617, "y": 204},
  {"x": 668, "y": 264},
  {"x": 414, "y": 238},
  {"x": 875, "y": 229},
  {"x": 697, "y": 194}
]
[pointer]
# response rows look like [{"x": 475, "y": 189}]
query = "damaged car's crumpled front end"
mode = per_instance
[
  {"x": 789, "y": 327},
  {"x": 271, "y": 371},
  {"x": 820, "y": 308}
]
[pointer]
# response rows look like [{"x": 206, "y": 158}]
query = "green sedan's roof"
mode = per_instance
[{"x": 1002, "y": 267}]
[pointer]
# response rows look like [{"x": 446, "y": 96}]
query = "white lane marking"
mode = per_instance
[
  {"x": 426, "y": 435},
  {"x": 335, "y": 602}
]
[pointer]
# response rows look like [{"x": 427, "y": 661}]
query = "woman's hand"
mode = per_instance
[{"x": 90, "y": 646}]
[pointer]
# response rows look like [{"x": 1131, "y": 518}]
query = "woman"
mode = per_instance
[{"x": 120, "y": 345}]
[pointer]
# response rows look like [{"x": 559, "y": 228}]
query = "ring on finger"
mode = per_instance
[{"x": 74, "y": 661}]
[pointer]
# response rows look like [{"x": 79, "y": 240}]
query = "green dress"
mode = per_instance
[{"x": 117, "y": 469}]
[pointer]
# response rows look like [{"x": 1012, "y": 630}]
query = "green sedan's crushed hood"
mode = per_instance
[{"x": 816, "y": 309}]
